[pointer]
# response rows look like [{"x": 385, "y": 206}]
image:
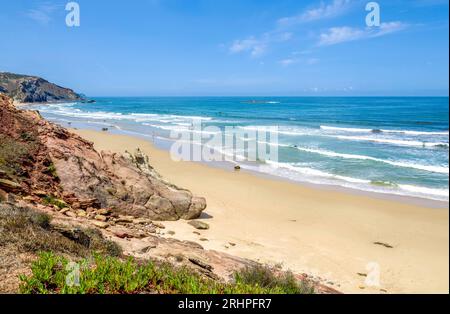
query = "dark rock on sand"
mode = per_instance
[{"x": 199, "y": 224}]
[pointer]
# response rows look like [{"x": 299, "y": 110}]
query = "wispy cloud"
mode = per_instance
[
  {"x": 43, "y": 13},
  {"x": 323, "y": 11},
  {"x": 337, "y": 35},
  {"x": 312, "y": 61},
  {"x": 287, "y": 62},
  {"x": 291, "y": 61},
  {"x": 258, "y": 46}
]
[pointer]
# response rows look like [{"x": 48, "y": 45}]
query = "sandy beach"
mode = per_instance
[{"x": 326, "y": 233}]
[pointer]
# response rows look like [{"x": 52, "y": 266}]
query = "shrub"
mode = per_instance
[
  {"x": 26, "y": 230},
  {"x": 112, "y": 275},
  {"x": 52, "y": 171},
  {"x": 40, "y": 219},
  {"x": 266, "y": 277},
  {"x": 50, "y": 200}
]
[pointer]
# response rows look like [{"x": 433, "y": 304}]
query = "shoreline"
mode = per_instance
[
  {"x": 326, "y": 233},
  {"x": 163, "y": 143},
  {"x": 228, "y": 166}
]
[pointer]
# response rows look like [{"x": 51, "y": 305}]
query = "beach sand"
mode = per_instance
[{"x": 321, "y": 232}]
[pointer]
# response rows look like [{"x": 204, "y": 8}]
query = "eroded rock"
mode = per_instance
[{"x": 197, "y": 224}]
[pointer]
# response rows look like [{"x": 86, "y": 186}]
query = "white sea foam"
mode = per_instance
[
  {"x": 414, "y": 143},
  {"x": 301, "y": 173},
  {"x": 405, "y": 164},
  {"x": 180, "y": 129},
  {"x": 296, "y": 171},
  {"x": 365, "y": 130},
  {"x": 67, "y": 110},
  {"x": 293, "y": 132}
]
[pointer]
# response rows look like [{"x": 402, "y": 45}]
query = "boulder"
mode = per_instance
[
  {"x": 197, "y": 224},
  {"x": 3, "y": 196},
  {"x": 100, "y": 224},
  {"x": 10, "y": 186},
  {"x": 68, "y": 167},
  {"x": 101, "y": 218}
]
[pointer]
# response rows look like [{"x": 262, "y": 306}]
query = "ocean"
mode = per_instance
[{"x": 393, "y": 145}]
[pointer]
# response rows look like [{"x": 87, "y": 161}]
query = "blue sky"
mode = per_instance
[{"x": 230, "y": 47}]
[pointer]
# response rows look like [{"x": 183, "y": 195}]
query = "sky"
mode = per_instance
[{"x": 230, "y": 47}]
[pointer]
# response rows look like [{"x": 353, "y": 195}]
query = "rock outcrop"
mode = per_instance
[
  {"x": 44, "y": 160},
  {"x": 29, "y": 89}
]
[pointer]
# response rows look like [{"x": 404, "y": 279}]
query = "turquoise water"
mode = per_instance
[{"x": 383, "y": 144}]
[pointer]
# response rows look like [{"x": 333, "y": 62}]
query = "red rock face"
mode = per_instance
[
  {"x": 54, "y": 160},
  {"x": 23, "y": 157}
]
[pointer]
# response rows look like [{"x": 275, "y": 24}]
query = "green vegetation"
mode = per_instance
[
  {"x": 52, "y": 171},
  {"x": 25, "y": 230},
  {"x": 12, "y": 155},
  {"x": 112, "y": 275},
  {"x": 27, "y": 137},
  {"x": 50, "y": 200},
  {"x": 265, "y": 277}
]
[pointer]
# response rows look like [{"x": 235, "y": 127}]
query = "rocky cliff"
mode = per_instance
[
  {"x": 29, "y": 89},
  {"x": 49, "y": 163},
  {"x": 58, "y": 194}
]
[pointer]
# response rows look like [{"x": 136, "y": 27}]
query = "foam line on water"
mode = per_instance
[
  {"x": 365, "y": 130},
  {"x": 437, "y": 169}
]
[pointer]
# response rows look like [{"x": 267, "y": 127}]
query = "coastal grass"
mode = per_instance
[
  {"x": 52, "y": 273},
  {"x": 50, "y": 200},
  {"x": 12, "y": 154},
  {"x": 25, "y": 230}
]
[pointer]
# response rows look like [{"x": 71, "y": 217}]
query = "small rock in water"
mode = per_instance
[
  {"x": 104, "y": 129},
  {"x": 199, "y": 224},
  {"x": 237, "y": 168}
]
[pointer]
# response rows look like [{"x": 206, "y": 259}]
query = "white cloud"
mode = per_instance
[
  {"x": 254, "y": 46},
  {"x": 287, "y": 62},
  {"x": 312, "y": 61},
  {"x": 337, "y": 35},
  {"x": 290, "y": 61},
  {"x": 332, "y": 9},
  {"x": 390, "y": 27},
  {"x": 42, "y": 14},
  {"x": 258, "y": 46}
]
